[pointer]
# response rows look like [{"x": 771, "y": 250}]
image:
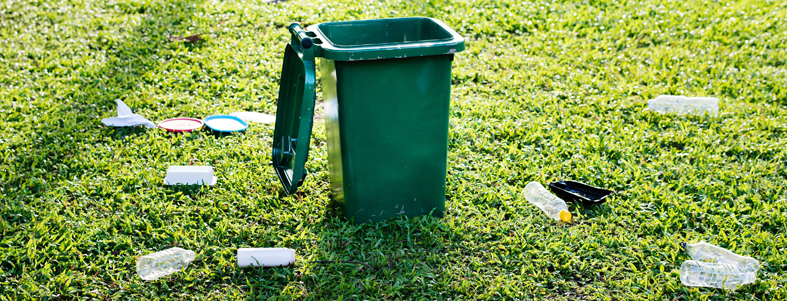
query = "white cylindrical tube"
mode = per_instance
[{"x": 265, "y": 257}]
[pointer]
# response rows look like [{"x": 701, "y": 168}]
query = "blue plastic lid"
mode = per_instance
[{"x": 225, "y": 123}]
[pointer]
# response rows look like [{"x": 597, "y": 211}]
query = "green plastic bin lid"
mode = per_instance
[{"x": 294, "y": 117}]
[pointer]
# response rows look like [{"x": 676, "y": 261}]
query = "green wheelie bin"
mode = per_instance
[{"x": 386, "y": 87}]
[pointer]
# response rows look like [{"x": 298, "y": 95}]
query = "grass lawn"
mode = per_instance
[{"x": 544, "y": 91}]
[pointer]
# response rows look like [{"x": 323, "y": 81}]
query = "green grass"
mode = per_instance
[{"x": 544, "y": 91}]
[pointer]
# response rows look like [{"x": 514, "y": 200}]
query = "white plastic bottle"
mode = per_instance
[
  {"x": 684, "y": 105},
  {"x": 265, "y": 257},
  {"x": 553, "y": 206},
  {"x": 162, "y": 263},
  {"x": 717, "y": 275}
]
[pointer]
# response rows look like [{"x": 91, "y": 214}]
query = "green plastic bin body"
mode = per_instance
[
  {"x": 386, "y": 122},
  {"x": 386, "y": 90}
]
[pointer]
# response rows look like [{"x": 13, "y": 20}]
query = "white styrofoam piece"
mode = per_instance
[
  {"x": 187, "y": 175},
  {"x": 266, "y": 257}
]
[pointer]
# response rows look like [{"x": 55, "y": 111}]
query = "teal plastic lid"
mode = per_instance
[{"x": 294, "y": 113}]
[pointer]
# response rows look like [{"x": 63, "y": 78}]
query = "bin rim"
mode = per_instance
[{"x": 326, "y": 49}]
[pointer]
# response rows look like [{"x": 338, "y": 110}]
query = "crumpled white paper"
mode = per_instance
[
  {"x": 255, "y": 117},
  {"x": 127, "y": 118}
]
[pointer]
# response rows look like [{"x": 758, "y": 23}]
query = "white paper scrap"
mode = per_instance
[{"x": 127, "y": 118}]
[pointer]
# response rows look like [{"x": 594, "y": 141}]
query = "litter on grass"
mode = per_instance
[
  {"x": 225, "y": 123},
  {"x": 265, "y": 257},
  {"x": 188, "y": 175},
  {"x": 580, "y": 192},
  {"x": 181, "y": 124},
  {"x": 684, "y": 105},
  {"x": 550, "y": 204},
  {"x": 126, "y": 117},
  {"x": 717, "y": 267},
  {"x": 163, "y": 263},
  {"x": 703, "y": 251},
  {"x": 191, "y": 39},
  {"x": 255, "y": 117}
]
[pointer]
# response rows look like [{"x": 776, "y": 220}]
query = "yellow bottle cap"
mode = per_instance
[{"x": 565, "y": 216}]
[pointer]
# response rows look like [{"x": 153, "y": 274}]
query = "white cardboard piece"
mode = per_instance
[{"x": 187, "y": 175}]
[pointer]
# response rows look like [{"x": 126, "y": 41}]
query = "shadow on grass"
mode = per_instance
[
  {"x": 123, "y": 132},
  {"x": 120, "y": 231},
  {"x": 218, "y": 135},
  {"x": 71, "y": 142},
  {"x": 211, "y": 273},
  {"x": 190, "y": 190},
  {"x": 381, "y": 259}
]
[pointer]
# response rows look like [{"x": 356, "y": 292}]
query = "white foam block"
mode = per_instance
[
  {"x": 265, "y": 257},
  {"x": 187, "y": 175}
]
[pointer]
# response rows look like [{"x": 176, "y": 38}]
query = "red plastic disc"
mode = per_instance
[{"x": 181, "y": 124}]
